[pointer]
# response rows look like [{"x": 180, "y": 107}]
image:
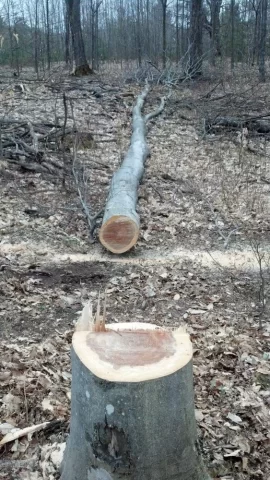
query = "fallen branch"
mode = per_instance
[
  {"x": 91, "y": 219},
  {"x": 120, "y": 227},
  {"x": 21, "y": 432},
  {"x": 34, "y": 137},
  {"x": 256, "y": 124}
]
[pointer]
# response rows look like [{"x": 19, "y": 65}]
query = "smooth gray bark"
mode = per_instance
[
  {"x": 132, "y": 431},
  {"x": 123, "y": 194}
]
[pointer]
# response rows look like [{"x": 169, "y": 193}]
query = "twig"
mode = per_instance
[
  {"x": 66, "y": 113},
  {"x": 18, "y": 433},
  {"x": 208, "y": 94},
  {"x": 25, "y": 403},
  {"x": 260, "y": 257},
  {"x": 91, "y": 219},
  {"x": 34, "y": 137},
  {"x": 27, "y": 147},
  {"x": 226, "y": 243},
  {"x": 1, "y": 145},
  {"x": 156, "y": 112}
]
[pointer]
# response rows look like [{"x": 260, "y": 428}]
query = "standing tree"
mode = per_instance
[
  {"x": 139, "y": 36},
  {"x": 36, "y": 38},
  {"x": 164, "y": 4},
  {"x": 215, "y": 29},
  {"x": 148, "y": 48},
  {"x": 256, "y": 7},
  {"x": 48, "y": 43},
  {"x": 195, "y": 40},
  {"x": 67, "y": 40},
  {"x": 232, "y": 33},
  {"x": 262, "y": 39},
  {"x": 74, "y": 18},
  {"x": 95, "y": 5},
  {"x": 177, "y": 41}
]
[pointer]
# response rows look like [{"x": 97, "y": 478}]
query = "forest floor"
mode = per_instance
[{"x": 202, "y": 259}]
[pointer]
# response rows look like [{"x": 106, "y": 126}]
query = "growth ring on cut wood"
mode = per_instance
[
  {"x": 133, "y": 352},
  {"x": 119, "y": 234}
]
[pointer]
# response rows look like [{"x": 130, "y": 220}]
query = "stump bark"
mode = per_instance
[
  {"x": 132, "y": 408},
  {"x": 120, "y": 227}
]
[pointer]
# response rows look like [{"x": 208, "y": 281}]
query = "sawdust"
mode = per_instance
[{"x": 216, "y": 259}]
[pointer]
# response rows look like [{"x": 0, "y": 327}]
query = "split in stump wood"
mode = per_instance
[{"x": 132, "y": 407}]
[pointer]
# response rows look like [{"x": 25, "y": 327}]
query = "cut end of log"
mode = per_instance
[
  {"x": 119, "y": 234},
  {"x": 133, "y": 352}
]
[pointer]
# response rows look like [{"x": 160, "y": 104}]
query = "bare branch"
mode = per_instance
[
  {"x": 156, "y": 112},
  {"x": 91, "y": 219}
]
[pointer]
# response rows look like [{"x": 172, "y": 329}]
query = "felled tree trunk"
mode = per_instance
[
  {"x": 120, "y": 227},
  {"x": 132, "y": 409}
]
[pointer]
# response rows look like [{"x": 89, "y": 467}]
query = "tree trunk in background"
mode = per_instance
[
  {"x": 93, "y": 39},
  {"x": 262, "y": 39},
  {"x": 183, "y": 40},
  {"x": 148, "y": 48},
  {"x": 139, "y": 40},
  {"x": 16, "y": 50},
  {"x": 255, "y": 36},
  {"x": 67, "y": 41},
  {"x": 36, "y": 37},
  {"x": 132, "y": 406},
  {"x": 10, "y": 36},
  {"x": 96, "y": 38},
  {"x": 177, "y": 47},
  {"x": 95, "y": 5},
  {"x": 215, "y": 30},
  {"x": 74, "y": 17},
  {"x": 232, "y": 33},
  {"x": 48, "y": 36},
  {"x": 195, "y": 41},
  {"x": 164, "y": 33}
]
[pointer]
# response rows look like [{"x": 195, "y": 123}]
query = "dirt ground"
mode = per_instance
[{"x": 202, "y": 258}]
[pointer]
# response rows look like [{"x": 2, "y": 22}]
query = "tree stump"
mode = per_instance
[{"x": 132, "y": 408}]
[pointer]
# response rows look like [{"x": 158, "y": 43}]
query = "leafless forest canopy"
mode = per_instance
[{"x": 41, "y": 32}]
